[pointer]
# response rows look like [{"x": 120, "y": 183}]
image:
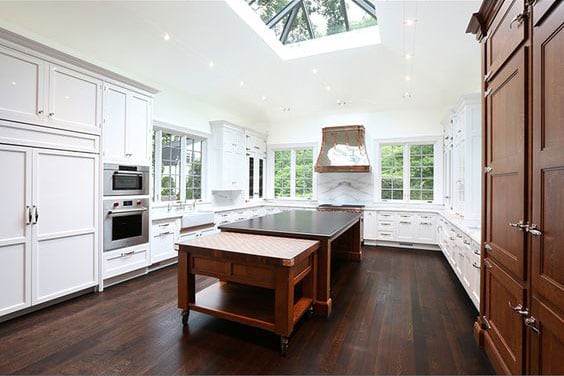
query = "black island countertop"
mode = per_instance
[{"x": 305, "y": 223}]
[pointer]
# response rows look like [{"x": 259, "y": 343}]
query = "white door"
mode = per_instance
[
  {"x": 75, "y": 100},
  {"x": 138, "y": 129},
  {"x": 65, "y": 199},
  {"x": 115, "y": 119},
  {"x": 22, "y": 82},
  {"x": 15, "y": 231}
]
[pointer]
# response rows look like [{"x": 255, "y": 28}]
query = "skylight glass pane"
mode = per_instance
[
  {"x": 267, "y": 9},
  {"x": 299, "y": 31},
  {"x": 358, "y": 17},
  {"x": 327, "y": 17}
]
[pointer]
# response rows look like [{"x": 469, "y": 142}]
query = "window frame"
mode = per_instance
[
  {"x": 270, "y": 166},
  {"x": 157, "y": 176},
  {"x": 436, "y": 141}
]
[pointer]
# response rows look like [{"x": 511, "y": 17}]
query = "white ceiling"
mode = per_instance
[{"x": 127, "y": 37}]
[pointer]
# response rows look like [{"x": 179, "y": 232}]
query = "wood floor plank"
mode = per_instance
[{"x": 397, "y": 312}]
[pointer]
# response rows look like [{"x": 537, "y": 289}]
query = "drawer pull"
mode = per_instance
[
  {"x": 129, "y": 253},
  {"x": 519, "y": 19},
  {"x": 405, "y": 222},
  {"x": 476, "y": 265}
]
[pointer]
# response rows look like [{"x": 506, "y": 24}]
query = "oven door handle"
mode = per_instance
[
  {"x": 128, "y": 173},
  {"x": 123, "y": 211}
]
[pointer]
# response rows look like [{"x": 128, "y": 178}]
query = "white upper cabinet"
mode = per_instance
[
  {"x": 127, "y": 126},
  {"x": 115, "y": 118},
  {"x": 74, "y": 100},
  {"x": 22, "y": 81},
  {"x": 227, "y": 157},
  {"x": 138, "y": 129}
]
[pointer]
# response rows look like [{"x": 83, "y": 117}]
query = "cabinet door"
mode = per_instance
[
  {"x": 65, "y": 237},
  {"x": 370, "y": 225},
  {"x": 138, "y": 129},
  {"x": 115, "y": 118},
  {"x": 22, "y": 80},
  {"x": 506, "y": 325},
  {"x": 75, "y": 100},
  {"x": 15, "y": 232},
  {"x": 546, "y": 345},
  {"x": 547, "y": 273},
  {"x": 426, "y": 232},
  {"x": 506, "y": 126}
]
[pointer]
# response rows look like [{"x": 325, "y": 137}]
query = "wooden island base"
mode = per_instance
[{"x": 258, "y": 279}]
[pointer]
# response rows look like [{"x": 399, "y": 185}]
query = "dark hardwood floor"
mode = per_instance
[{"x": 398, "y": 311}]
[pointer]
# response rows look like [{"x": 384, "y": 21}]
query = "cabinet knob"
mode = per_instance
[
  {"x": 40, "y": 112},
  {"x": 51, "y": 114}
]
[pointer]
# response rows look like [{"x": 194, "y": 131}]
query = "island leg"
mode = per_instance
[
  {"x": 186, "y": 286},
  {"x": 284, "y": 305},
  {"x": 323, "y": 302}
]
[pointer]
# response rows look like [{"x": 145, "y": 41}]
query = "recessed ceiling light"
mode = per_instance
[
  {"x": 166, "y": 36},
  {"x": 407, "y": 94},
  {"x": 410, "y": 22},
  {"x": 14, "y": 83},
  {"x": 242, "y": 83},
  {"x": 408, "y": 56},
  {"x": 314, "y": 71},
  {"x": 328, "y": 88},
  {"x": 211, "y": 64},
  {"x": 263, "y": 97},
  {"x": 407, "y": 78}
]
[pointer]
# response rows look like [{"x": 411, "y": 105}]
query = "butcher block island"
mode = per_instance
[
  {"x": 264, "y": 281},
  {"x": 339, "y": 235}
]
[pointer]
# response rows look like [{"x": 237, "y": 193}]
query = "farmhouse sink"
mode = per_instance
[{"x": 197, "y": 218}]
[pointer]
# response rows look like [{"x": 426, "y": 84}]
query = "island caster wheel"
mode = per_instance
[
  {"x": 310, "y": 312},
  {"x": 185, "y": 314},
  {"x": 284, "y": 346}
]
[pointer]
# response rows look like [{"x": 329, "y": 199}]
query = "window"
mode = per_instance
[
  {"x": 177, "y": 167},
  {"x": 293, "y": 173},
  {"x": 407, "y": 172}
]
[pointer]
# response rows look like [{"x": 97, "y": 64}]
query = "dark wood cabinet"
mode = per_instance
[{"x": 521, "y": 322}]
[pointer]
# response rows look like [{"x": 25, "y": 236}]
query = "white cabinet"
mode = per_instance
[
  {"x": 127, "y": 126},
  {"x": 406, "y": 227},
  {"x": 48, "y": 232},
  {"x": 121, "y": 261},
  {"x": 426, "y": 232},
  {"x": 15, "y": 231},
  {"x": 22, "y": 87},
  {"x": 227, "y": 156},
  {"x": 164, "y": 234},
  {"x": 39, "y": 92},
  {"x": 65, "y": 236},
  {"x": 75, "y": 100},
  {"x": 370, "y": 225}
]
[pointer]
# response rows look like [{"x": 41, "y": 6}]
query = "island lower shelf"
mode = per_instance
[{"x": 249, "y": 305}]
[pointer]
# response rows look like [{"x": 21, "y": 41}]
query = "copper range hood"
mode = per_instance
[{"x": 343, "y": 150}]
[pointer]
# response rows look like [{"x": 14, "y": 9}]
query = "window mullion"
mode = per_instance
[
  {"x": 292, "y": 173},
  {"x": 158, "y": 166},
  {"x": 406, "y": 173},
  {"x": 182, "y": 196}
]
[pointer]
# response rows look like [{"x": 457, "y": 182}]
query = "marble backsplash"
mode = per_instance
[{"x": 345, "y": 188}]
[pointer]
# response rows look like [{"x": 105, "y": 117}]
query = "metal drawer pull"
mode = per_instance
[
  {"x": 521, "y": 226},
  {"x": 112, "y": 212},
  {"x": 466, "y": 242},
  {"x": 488, "y": 264},
  {"x": 488, "y": 247},
  {"x": 405, "y": 222},
  {"x": 165, "y": 233},
  {"x": 29, "y": 216},
  {"x": 477, "y": 253},
  {"x": 519, "y": 309},
  {"x": 36, "y": 213},
  {"x": 476, "y": 265},
  {"x": 531, "y": 323},
  {"x": 129, "y": 253},
  {"x": 532, "y": 229}
]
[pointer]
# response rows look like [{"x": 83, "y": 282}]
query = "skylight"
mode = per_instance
[
  {"x": 298, "y": 28},
  {"x": 299, "y": 20}
]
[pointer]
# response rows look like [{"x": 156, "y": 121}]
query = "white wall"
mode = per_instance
[
  {"x": 174, "y": 107},
  {"x": 408, "y": 123}
]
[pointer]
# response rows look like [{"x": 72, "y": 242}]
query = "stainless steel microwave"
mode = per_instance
[{"x": 122, "y": 180}]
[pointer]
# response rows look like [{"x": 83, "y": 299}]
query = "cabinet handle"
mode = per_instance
[
  {"x": 477, "y": 253},
  {"x": 40, "y": 112},
  {"x": 129, "y": 253},
  {"x": 466, "y": 242},
  {"x": 488, "y": 264},
  {"x": 476, "y": 265},
  {"x": 28, "y": 219},
  {"x": 36, "y": 211},
  {"x": 519, "y": 19},
  {"x": 531, "y": 323},
  {"x": 405, "y": 222},
  {"x": 51, "y": 114}
]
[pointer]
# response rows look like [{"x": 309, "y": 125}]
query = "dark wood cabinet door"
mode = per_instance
[
  {"x": 506, "y": 126},
  {"x": 547, "y": 250},
  {"x": 505, "y": 35},
  {"x": 546, "y": 349},
  {"x": 504, "y": 338},
  {"x": 541, "y": 7}
]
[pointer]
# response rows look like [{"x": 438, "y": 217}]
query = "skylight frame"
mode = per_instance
[{"x": 368, "y": 36}]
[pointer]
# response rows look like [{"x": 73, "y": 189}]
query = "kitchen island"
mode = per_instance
[
  {"x": 264, "y": 281},
  {"x": 339, "y": 235}
]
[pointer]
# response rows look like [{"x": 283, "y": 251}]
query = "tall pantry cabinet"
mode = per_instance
[{"x": 521, "y": 322}]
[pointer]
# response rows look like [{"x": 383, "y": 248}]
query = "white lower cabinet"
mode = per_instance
[
  {"x": 399, "y": 228},
  {"x": 164, "y": 234},
  {"x": 48, "y": 227},
  {"x": 124, "y": 260}
]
